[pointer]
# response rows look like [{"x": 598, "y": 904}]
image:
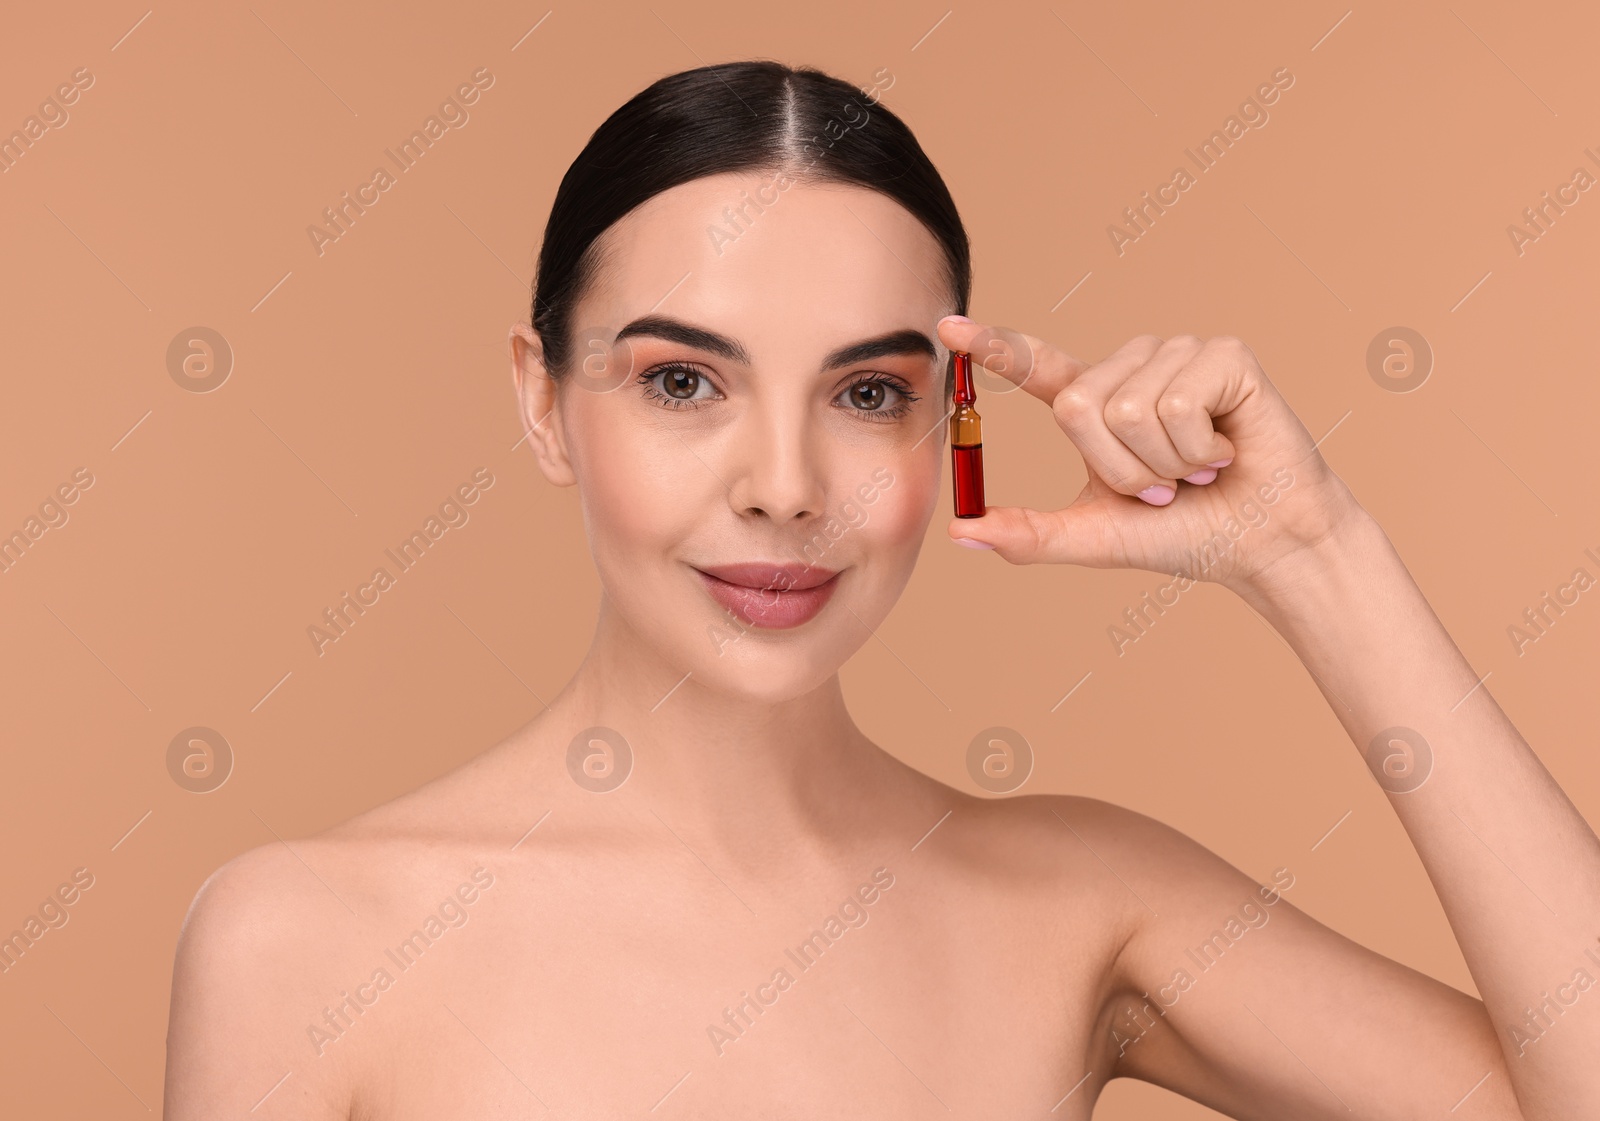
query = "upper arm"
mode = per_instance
[
  {"x": 1227, "y": 993},
  {"x": 243, "y": 997}
]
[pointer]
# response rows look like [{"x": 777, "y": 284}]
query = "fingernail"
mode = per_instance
[
  {"x": 959, "y": 318},
  {"x": 1202, "y": 476},
  {"x": 1221, "y": 462},
  {"x": 972, "y": 543},
  {"x": 1157, "y": 495}
]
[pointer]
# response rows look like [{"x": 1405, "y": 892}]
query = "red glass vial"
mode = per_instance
[{"x": 966, "y": 444}]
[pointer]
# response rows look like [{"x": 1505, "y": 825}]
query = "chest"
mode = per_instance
[{"x": 895, "y": 1003}]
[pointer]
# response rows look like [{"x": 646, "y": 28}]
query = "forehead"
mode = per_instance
[{"x": 797, "y": 269}]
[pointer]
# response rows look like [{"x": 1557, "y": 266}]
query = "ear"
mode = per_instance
[{"x": 537, "y": 404}]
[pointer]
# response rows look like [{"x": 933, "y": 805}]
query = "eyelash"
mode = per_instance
[{"x": 647, "y": 382}]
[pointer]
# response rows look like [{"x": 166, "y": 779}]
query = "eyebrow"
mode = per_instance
[{"x": 904, "y": 341}]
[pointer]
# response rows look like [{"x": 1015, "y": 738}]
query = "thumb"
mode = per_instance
[{"x": 1083, "y": 534}]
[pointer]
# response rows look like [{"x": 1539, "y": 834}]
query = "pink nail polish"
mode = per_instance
[
  {"x": 972, "y": 543},
  {"x": 1158, "y": 494},
  {"x": 1221, "y": 462},
  {"x": 1202, "y": 476}
]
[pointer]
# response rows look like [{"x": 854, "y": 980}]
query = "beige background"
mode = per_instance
[{"x": 371, "y": 380}]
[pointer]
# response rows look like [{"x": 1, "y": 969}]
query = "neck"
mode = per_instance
[{"x": 740, "y": 773}]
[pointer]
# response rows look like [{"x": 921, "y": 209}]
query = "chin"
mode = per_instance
[
  {"x": 772, "y": 674},
  {"x": 739, "y": 659}
]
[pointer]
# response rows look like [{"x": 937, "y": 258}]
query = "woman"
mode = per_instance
[{"x": 692, "y": 887}]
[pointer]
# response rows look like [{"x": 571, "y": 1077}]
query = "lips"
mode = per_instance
[{"x": 773, "y": 596}]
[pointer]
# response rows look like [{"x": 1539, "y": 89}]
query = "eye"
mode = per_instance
[
  {"x": 676, "y": 386},
  {"x": 879, "y": 398}
]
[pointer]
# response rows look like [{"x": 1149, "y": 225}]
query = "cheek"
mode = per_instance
[
  {"x": 897, "y": 520},
  {"x": 639, "y": 496}
]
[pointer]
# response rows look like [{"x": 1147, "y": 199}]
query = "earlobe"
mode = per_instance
[{"x": 537, "y": 401}]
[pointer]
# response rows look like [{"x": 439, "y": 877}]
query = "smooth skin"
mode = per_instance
[{"x": 618, "y": 954}]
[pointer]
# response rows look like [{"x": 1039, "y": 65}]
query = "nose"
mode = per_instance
[{"x": 778, "y": 470}]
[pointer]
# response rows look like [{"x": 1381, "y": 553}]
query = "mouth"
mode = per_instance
[{"x": 770, "y": 595}]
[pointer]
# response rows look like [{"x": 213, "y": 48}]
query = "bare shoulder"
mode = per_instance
[
  {"x": 1128, "y": 847},
  {"x": 1155, "y": 869},
  {"x": 1145, "y": 848},
  {"x": 281, "y": 937},
  {"x": 1069, "y": 862},
  {"x": 1112, "y": 867},
  {"x": 1055, "y": 831},
  {"x": 259, "y": 935}
]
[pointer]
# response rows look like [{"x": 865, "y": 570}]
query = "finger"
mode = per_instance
[
  {"x": 1209, "y": 386},
  {"x": 1089, "y": 533},
  {"x": 1133, "y": 413},
  {"x": 1030, "y": 363},
  {"x": 1082, "y": 411}
]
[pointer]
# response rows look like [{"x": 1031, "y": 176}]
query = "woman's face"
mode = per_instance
[{"x": 772, "y": 415}]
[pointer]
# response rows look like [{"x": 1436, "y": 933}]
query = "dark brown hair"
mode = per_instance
[{"x": 753, "y": 115}]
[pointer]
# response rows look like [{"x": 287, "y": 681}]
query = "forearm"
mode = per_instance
[{"x": 1516, "y": 867}]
